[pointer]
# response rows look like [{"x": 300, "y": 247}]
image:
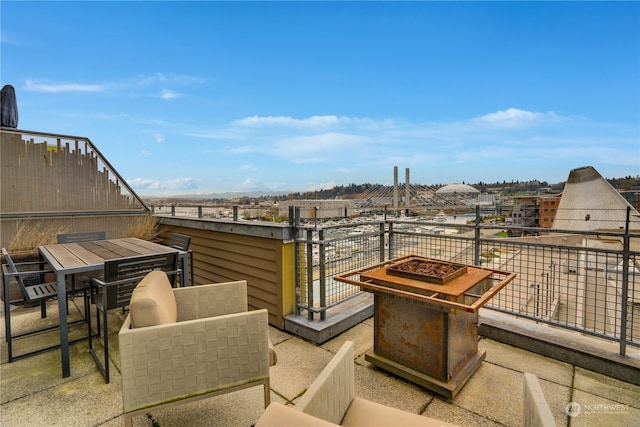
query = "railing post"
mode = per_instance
[
  {"x": 391, "y": 240},
  {"x": 323, "y": 281},
  {"x": 199, "y": 211},
  {"x": 173, "y": 210},
  {"x": 626, "y": 255},
  {"x": 315, "y": 217},
  {"x": 476, "y": 240},
  {"x": 291, "y": 216},
  {"x": 293, "y": 223},
  {"x": 381, "y": 250},
  {"x": 235, "y": 213},
  {"x": 310, "y": 268}
]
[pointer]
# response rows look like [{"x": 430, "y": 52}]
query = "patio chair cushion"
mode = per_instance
[
  {"x": 153, "y": 302},
  {"x": 364, "y": 412},
  {"x": 278, "y": 415}
]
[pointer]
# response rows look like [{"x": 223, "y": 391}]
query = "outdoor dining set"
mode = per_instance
[
  {"x": 179, "y": 342},
  {"x": 174, "y": 332}
]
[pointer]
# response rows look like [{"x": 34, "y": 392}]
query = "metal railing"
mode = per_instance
[{"x": 587, "y": 281}]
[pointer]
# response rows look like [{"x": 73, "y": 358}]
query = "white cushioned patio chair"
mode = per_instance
[
  {"x": 331, "y": 401},
  {"x": 182, "y": 344}
]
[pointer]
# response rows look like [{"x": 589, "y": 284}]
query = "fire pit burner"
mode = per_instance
[{"x": 427, "y": 270}]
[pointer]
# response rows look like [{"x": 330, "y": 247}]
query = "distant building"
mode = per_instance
[
  {"x": 547, "y": 208},
  {"x": 456, "y": 194},
  {"x": 525, "y": 211},
  {"x": 487, "y": 199},
  {"x": 334, "y": 208}
]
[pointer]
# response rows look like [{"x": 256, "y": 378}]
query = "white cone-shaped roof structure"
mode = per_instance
[{"x": 590, "y": 203}]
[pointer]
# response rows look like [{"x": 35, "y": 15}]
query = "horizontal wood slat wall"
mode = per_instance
[{"x": 221, "y": 257}]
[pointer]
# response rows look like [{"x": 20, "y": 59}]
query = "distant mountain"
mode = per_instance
[
  {"x": 226, "y": 195},
  {"x": 353, "y": 190}
]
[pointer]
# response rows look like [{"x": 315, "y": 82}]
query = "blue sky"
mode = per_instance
[{"x": 203, "y": 97}]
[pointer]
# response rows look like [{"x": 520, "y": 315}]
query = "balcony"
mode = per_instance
[{"x": 33, "y": 392}]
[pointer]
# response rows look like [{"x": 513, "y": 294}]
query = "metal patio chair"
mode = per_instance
[
  {"x": 182, "y": 242},
  {"x": 30, "y": 277},
  {"x": 121, "y": 276}
]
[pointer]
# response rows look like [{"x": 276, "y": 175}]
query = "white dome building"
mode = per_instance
[
  {"x": 457, "y": 189},
  {"x": 457, "y": 194}
]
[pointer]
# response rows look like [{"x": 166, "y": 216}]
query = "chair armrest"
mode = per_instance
[
  {"x": 195, "y": 302},
  {"x": 364, "y": 412},
  {"x": 7, "y": 271},
  {"x": 278, "y": 415},
  {"x": 172, "y": 361},
  {"x": 331, "y": 393},
  {"x": 536, "y": 409}
]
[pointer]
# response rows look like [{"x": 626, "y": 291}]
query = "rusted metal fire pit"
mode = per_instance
[{"x": 426, "y": 318}]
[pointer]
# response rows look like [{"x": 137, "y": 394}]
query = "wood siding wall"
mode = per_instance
[{"x": 266, "y": 264}]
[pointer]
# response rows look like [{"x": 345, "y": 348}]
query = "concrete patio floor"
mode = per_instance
[{"x": 33, "y": 392}]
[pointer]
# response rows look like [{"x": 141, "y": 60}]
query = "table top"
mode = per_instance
[
  {"x": 456, "y": 287},
  {"x": 89, "y": 256},
  {"x": 458, "y": 293}
]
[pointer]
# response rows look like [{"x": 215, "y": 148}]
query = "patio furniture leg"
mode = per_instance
[
  {"x": 64, "y": 327},
  {"x": 106, "y": 347},
  {"x": 102, "y": 366},
  {"x": 7, "y": 316}
]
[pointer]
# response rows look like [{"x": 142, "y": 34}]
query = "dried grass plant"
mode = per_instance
[
  {"x": 145, "y": 228},
  {"x": 31, "y": 234}
]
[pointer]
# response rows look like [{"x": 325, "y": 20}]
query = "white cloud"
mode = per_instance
[
  {"x": 322, "y": 186},
  {"x": 143, "y": 183},
  {"x": 181, "y": 184},
  {"x": 63, "y": 87},
  {"x": 317, "y": 148},
  {"x": 163, "y": 79},
  {"x": 160, "y": 138},
  {"x": 146, "y": 184},
  {"x": 251, "y": 184},
  {"x": 247, "y": 184},
  {"x": 146, "y": 153},
  {"x": 169, "y": 94},
  {"x": 514, "y": 118},
  {"x": 286, "y": 121},
  {"x": 214, "y": 135},
  {"x": 140, "y": 82},
  {"x": 242, "y": 149},
  {"x": 354, "y": 147},
  {"x": 313, "y": 122}
]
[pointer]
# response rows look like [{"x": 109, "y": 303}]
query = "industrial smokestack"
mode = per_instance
[
  {"x": 395, "y": 188},
  {"x": 407, "y": 191}
]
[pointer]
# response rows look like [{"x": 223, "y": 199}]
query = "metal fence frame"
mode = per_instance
[{"x": 566, "y": 279}]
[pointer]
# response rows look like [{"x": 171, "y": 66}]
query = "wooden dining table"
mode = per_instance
[{"x": 71, "y": 258}]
